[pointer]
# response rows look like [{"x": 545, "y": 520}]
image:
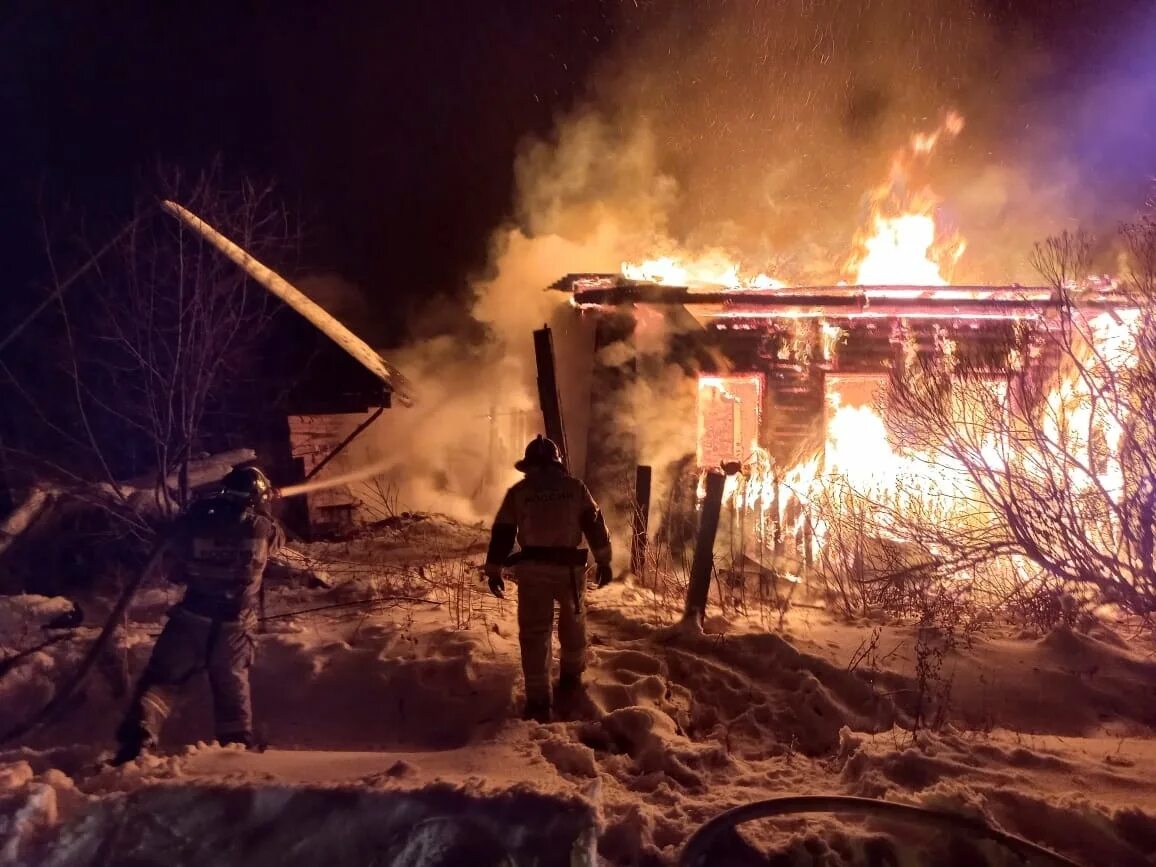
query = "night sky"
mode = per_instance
[{"x": 390, "y": 128}]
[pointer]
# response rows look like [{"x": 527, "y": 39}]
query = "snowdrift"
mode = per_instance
[
  {"x": 253, "y": 822},
  {"x": 394, "y": 736}
]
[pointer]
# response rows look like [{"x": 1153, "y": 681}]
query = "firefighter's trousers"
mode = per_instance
[
  {"x": 189, "y": 645},
  {"x": 540, "y": 586}
]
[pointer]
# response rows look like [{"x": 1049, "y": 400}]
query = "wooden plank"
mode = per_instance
[
  {"x": 548, "y": 398},
  {"x": 295, "y": 298}
]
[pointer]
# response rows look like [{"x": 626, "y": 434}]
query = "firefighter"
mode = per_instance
[
  {"x": 218, "y": 548},
  {"x": 547, "y": 514}
]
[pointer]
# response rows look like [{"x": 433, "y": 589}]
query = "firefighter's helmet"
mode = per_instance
[
  {"x": 541, "y": 452},
  {"x": 247, "y": 483}
]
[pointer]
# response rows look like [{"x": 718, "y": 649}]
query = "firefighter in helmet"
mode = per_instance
[
  {"x": 547, "y": 514},
  {"x": 218, "y": 549}
]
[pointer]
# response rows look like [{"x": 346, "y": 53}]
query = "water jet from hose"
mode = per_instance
[{"x": 358, "y": 475}]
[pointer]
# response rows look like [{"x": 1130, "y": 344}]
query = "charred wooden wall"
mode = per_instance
[{"x": 791, "y": 356}]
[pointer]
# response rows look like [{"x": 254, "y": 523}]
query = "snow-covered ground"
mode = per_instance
[{"x": 393, "y": 734}]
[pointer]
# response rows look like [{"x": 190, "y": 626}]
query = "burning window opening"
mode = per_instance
[{"x": 729, "y": 418}]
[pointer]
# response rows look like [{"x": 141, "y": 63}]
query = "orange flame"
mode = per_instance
[
  {"x": 711, "y": 270},
  {"x": 902, "y": 245}
]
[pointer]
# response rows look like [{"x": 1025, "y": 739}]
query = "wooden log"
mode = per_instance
[
  {"x": 703, "y": 564},
  {"x": 641, "y": 522},
  {"x": 548, "y": 398}
]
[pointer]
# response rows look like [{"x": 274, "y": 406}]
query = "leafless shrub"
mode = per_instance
[
  {"x": 668, "y": 579},
  {"x": 1063, "y": 260},
  {"x": 451, "y": 575},
  {"x": 1057, "y": 454},
  {"x": 866, "y": 567},
  {"x": 156, "y": 349},
  {"x": 866, "y": 652},
  {"x": 1046, "y": 603},
  {"x": 457, "y": 583},
  {"x": 932, "y": 688},
  {"x": 381, "y": 499}
]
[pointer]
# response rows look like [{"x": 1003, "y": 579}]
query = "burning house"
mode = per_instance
[
  {"x": 697, "y": 367},
  {"x": 785, "y": 385}
]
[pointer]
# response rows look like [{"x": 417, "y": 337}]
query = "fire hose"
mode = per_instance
[{"x": 697, "y": 852}]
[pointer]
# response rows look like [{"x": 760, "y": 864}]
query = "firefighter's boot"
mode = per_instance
[
  {"x": 537, "y": 710},
  {"x": 132, "y": 739},
  {"x": 570, "y": 681}
]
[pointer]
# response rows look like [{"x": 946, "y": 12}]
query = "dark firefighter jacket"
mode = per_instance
[
  {"x": 219, "y": 548},
  {"x": 547, "y": 514}
]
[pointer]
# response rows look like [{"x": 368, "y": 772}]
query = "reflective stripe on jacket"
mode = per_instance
[{"x": 548, "y": 510}]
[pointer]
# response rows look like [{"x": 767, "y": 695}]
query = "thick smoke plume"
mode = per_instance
[
  {"x": 778, "y": 119},
  {"x": 586, "y": 200}
]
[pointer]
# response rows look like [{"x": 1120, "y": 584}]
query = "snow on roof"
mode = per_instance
[{"x": 303, "y": 304}]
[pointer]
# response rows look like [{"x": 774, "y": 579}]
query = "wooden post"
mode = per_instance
[
  {"x": 703, "y": 564},
  {"x": 548, "y": 390},
  {"x": 641, "y": 520}
]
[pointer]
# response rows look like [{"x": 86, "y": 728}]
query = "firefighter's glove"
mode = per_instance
[
  {"x": 603, "y": 575},
  {"x": 494, "y": 578}
]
